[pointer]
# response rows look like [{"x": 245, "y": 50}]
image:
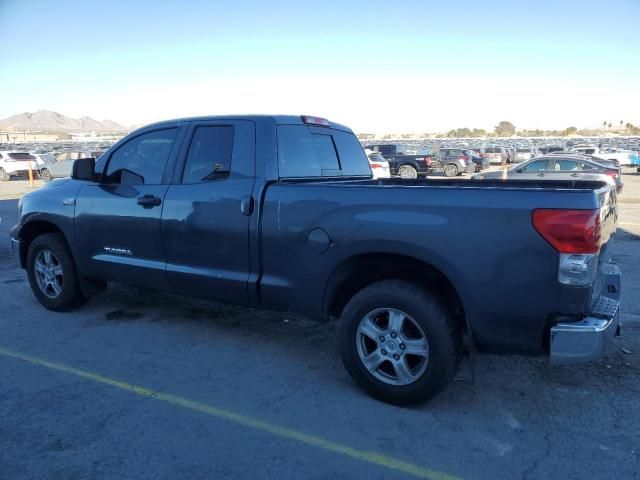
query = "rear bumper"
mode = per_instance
[{"x": 587, "y": 339}]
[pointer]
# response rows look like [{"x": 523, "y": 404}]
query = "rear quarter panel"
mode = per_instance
[{"x": 480, "y": 238}]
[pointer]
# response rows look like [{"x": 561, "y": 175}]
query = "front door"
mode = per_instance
[
  {"x": 117, "y": 225},
  {"x": 205, "y": 221}
]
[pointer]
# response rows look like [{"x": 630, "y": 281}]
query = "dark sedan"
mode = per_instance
[{"x": 556, "y": 167}]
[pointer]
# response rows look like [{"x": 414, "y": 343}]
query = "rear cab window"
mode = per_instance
[{"x": 305, "y": 151}]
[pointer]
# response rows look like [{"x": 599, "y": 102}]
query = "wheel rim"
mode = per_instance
[
  {"x": 450, "y": 171},
  {"x": 408, "y": 172},
  {"x": 3, "y": 174},
  {"x": 48, "y": 273},
  {"x": 392, "y": 346},
  {"x": 45, "y": 174}
]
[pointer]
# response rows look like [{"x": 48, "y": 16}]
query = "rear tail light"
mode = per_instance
[
  {"x": 376, "y": 165},
  {"x": 611, "y": 173},
  {"x": 576, "y": 236},
  {"x": 569, "y": 231}
]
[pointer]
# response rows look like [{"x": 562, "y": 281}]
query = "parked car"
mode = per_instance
[
  {"x": 551, "y": 149},
  {"x": 454, "y": 162},
  {"x": 401, "y": 163},
  {"x": 379, "y": 166},
  {"x": 556, "y": 167},
  {"x": 624, "y": 158},
  {"x": 291, "y": 219},
  {"x": 523, "y": 154},
  {"x": 61, "y": 164},
  {"x": 15, "y": 164},
  {"x": 495, "y": 155},
  {"x": 41, "y": 158},
  {"x": 480, "y": 163}
]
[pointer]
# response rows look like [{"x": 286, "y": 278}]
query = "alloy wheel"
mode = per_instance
[{"x": 392, "y": 346}]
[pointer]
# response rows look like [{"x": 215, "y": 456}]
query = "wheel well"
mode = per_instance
[
  {"x": 360, "y": 271},
  {"x": 29, "y": 232}
]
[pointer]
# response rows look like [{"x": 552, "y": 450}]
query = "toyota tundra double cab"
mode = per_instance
[{"x": 282, "y": 212}]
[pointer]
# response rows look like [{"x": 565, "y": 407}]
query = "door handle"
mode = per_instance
[
  {"x": 149, "y": 201},
  {"x": 541, "y": 174},
  {"x": 575, "y": 174},
  {"x": 246, "y": 206}
]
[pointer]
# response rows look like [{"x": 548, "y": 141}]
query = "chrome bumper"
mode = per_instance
[{"x": 587, "y": 339}]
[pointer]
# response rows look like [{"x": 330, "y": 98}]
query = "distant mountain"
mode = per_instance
[{"x": 46, "y": 120}]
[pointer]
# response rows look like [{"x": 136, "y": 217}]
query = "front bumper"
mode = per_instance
[{"x": 587, "y": 339}]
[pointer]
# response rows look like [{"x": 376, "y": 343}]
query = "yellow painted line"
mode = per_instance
[
  {"x": 363, "y": 455},
  {"x": 631, "y": 224}
]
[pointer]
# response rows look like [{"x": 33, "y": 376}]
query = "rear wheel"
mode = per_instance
[
  {"x": 52, "y": 273},
  {"x": 407, "y": 171},
  {"x": 4, "y": 176},
  {"x": 45, "y": 174},
  {"x": 450, "y": 170},
  {"x": 398, "y": 342}
]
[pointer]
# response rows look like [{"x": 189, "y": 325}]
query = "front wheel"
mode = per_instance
[
  {"x": 45, "y": 174},
  {"x": 407, "y": 171},
  {"x": 450, "y": 170},
  {"x": 398, "y": 342},
  {"x": 4, "y": 176},
  {"x": 52, "y": 273}
]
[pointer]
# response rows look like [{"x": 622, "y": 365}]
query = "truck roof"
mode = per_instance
[{"x": 277, "y": 119}]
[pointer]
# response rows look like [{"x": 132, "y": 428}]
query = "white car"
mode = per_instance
[
  {"x": 16, "y": 164},
  {"x": 379, "y": 166},
  {"x": 41, "y": 158},
  {"x": 623, "y": 157}
]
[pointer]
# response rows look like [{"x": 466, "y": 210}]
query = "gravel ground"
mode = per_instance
[{"x": 149, "y": 385}]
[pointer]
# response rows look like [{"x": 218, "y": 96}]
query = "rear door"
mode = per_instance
[
  {"x": 565, "y": 169},
  {"x": 205, "y": 221},
  {"x": 117, "y": 225}
]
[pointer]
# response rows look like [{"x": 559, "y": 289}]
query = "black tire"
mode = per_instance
[
  {"x": 45, "y": 175},
  {"x": 408, "y": 172},
  {"x": 450, "y": 170},
  {"x": 70, "y": 295},
  {"x": 444, "y": 340},
  {"x": 4, "y": 176}
]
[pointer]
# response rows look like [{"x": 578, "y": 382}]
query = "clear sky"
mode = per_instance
[{"x": 374, "y": 65}]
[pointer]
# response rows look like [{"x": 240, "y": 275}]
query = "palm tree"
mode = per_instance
[
  {"x": 604, "y": 124},
  {"x": 609, "y": 125}
]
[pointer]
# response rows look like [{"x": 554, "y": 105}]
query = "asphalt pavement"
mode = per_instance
[{"x": 140, "y": 384}]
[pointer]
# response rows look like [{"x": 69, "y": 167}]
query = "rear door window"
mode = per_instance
[
  {"x": 209, "y": 156},
  {"x": 565, "y": 165}
]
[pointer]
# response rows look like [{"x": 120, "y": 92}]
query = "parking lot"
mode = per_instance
[{"x": 149, "y": 385}]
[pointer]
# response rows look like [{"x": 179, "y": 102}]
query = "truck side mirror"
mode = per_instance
[{"x": 84, "y": 169}]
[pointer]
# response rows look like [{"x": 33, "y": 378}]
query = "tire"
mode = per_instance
[
  {"x": 429, "y": 371},
  {"x": 4, "y": 176},
  {"x": 53, "y": 268},
  {"x": 45, "y": 175},
  {"x": 408, "y": 172},
  {"x": 450, "y": 170}
]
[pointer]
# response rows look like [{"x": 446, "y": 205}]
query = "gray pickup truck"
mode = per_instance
[{"x": 281, "y": 212}]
